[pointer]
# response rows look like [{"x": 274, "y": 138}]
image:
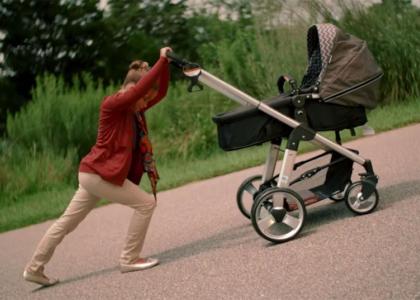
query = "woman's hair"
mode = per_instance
[{"x": 134, "y": 72}]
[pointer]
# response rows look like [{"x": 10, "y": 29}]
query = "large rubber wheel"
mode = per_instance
[
  {"x": 355, "y": 201},
  {"x": 282, "y": 224},
  {"x": 247, "y": 193}
]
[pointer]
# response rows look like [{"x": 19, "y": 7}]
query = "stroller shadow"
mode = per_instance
[
  {"x": 224, "y": 240},
  {"x": 388, "y": 197},
  {"x": 393, "y": 194}
]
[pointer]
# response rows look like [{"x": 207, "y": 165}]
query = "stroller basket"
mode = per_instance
[{"x": 324, "y": 175}]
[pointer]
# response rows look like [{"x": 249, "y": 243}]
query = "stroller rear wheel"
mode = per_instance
[
  {"x": 247, "y": 192},
  {"x": 355, "y": 201},
  {"x": 282, "y": 224}
]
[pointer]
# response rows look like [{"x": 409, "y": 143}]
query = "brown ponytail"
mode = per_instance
[{"x": 134, "y": 73}]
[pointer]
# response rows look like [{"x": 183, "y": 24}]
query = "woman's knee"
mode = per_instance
[
  {"x": 151, "y": 203},
  {"x": 146, "y": 204}
]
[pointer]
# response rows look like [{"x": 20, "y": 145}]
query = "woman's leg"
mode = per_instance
[
  {"x": 81, "y": 204},
  {"x": 131, "y": 195}
]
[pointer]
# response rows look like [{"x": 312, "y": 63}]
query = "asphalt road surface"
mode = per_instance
[{"x": 208, "y": 250}]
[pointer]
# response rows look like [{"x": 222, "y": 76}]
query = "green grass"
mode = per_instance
[
  {"x": 35, "y": 208},
  {"x": 41, "y": 206},
  {"x": 396, "y": 115}
]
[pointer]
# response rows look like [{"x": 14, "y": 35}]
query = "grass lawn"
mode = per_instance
[{"x": 46, "y": 205}]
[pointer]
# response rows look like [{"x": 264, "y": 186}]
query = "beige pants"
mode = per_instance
[{"x": 92, "y": 188}]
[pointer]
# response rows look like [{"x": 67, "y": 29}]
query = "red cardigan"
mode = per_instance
[{"x": 112, "y": 155}]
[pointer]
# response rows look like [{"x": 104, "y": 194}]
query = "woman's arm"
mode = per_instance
[
  {"x": 124, "y": 100},
  {"x": 162, "y": 83}
]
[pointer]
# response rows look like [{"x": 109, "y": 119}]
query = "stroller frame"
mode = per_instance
[{"x": 300, "y": 132}]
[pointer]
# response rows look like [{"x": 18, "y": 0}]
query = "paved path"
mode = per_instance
[{"x": 209, "y": 251}]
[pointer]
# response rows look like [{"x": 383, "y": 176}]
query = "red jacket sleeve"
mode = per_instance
[
  {"x": 163, "y": 83},
  {"x": 124, "y": 100}
]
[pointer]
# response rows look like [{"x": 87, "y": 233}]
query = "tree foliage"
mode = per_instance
[
  {"x": 68, "y": 37},
  {"x": 57, "y": 37}
]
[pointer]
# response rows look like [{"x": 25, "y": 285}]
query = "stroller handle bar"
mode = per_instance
[
  {"x": 177, "y": 60},
  {"x": 194, "y": 71}
]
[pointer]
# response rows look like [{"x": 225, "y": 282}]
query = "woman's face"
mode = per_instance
[{"x": 144, "y": 68}]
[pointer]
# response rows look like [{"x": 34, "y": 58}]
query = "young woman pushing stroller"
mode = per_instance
[{"x": 113, "y": 169}]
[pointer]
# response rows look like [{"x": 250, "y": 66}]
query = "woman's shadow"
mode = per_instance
[{"x": 226, "y": 239}]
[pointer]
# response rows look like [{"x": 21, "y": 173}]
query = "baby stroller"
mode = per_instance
[{"x": 341, "y": 81}]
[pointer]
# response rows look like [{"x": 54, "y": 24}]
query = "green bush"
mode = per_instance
[
  {"x": 31, "y": 170},
  {"x": 59, "y": 118},
  {"x": 181, "y": 126},
  {"x": 255, "y": 58}
]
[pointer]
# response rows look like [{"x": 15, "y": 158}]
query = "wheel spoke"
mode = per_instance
[
  {"x": 355, "y": 200},
  {"x": 366, "y": 203},
  {"x": 266, "y": 222},
  {"x": 291, "y": 221},
  {"x": 279, "y": 229}
]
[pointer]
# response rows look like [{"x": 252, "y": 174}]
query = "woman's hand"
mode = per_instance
[{"x": 164, "y": 51}]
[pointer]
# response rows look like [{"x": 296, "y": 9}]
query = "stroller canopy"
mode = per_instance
[{"x": 341, "y": 67}]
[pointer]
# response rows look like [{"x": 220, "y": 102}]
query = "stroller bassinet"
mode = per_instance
[{"x": 340, "y": 82}]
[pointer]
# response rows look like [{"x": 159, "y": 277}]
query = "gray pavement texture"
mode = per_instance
[{"x": 208, "y": 250}]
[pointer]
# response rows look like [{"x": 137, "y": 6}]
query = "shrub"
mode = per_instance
[
  {"x": 31, "y": 170},
  {"x": 59, "y": 118}
]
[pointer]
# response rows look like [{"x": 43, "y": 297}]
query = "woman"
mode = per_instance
[{"x": 113, "y": 169}]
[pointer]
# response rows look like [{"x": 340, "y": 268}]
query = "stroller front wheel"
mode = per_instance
[
  {"x": 285, "y": 222},
  {"x": 355, "y": 201}
]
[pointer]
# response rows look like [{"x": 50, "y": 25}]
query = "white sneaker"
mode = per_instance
[
  {"x": 140, "y": 264},
  {"x": 39, "y": 278}
]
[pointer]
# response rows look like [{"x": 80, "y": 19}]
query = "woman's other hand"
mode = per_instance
[{"x": 164, "y": 51}]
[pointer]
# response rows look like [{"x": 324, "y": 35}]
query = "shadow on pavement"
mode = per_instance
[
  {"x": 243, "y": 234},
  {"x": 74, "y": 279},
  {"x": 393, "y": 194},
  {"x": 388, "y": 196},
  {"x": 226, "y": 239},
  {"x": 316, "y": 217}
]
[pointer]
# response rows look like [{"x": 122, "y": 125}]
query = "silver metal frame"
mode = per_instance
[
  {"x": 270, "y": 163},
  {"x": 289, "y": 155}
]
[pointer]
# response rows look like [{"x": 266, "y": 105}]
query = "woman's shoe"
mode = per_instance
[
  {"x": 140, "y": 264},
  {"x": 39, "y": 278}
]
